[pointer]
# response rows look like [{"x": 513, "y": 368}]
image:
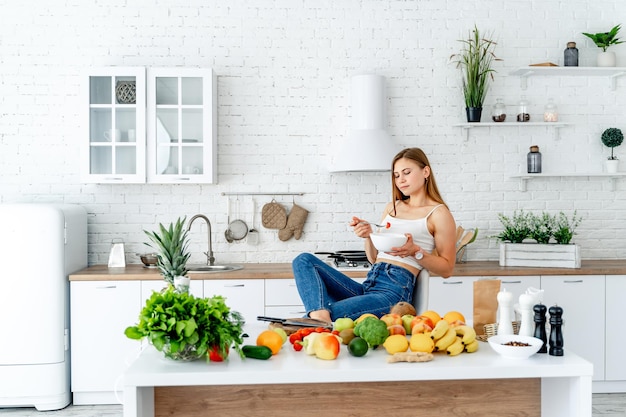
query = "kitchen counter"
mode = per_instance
[
  {"x": 481, "y": 383},
  {"x": 283, "y": 270}
]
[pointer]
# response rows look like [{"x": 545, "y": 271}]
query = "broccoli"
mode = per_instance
[{"x": 372, "y": 330}]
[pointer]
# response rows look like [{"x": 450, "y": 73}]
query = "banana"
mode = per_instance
[
  {"x": 456, "y": 347},
  {"x": 472, "y": 347},
  {"x": 467, "y": 333},
  {"x": 441, "y": 328},
  {"x": 447, "y": 339}
]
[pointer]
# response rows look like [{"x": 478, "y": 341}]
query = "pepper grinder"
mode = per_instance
[
  {"x": 505, "y": 323},
  {"x": 540, "y": 326},
  {"x": 527, "y": 327},
  {"x": 556, "y": 333}
]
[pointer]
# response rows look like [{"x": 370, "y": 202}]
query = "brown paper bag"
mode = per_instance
[{"x": 485, "y": 303}]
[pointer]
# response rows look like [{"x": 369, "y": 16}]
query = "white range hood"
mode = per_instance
[{"x": 368, "y": 146}]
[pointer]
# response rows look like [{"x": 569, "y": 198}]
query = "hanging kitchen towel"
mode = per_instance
[
  {"x": 273, "y": 215},
  {"x": 295, "y": 223}
]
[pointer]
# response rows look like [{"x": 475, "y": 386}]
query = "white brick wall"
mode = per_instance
[{"x": 283, "y": 71}]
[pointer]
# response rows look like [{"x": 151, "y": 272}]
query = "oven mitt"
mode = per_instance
[
  {"x": 273, "y": 216},
  {"x": 295, "y": 223}
]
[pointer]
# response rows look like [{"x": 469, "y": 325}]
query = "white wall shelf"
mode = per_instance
[
  {"x": 553, "y": 125},
  {"x": 524, "y": 178},
  {"x": 612, "y": 73}
]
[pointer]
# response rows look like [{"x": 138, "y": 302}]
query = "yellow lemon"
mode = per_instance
[
  {"x": 421, "y": 342},
  {"x": 396, "y": 343}
]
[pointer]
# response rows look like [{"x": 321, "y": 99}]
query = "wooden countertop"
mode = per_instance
[{"x": 284, "y": 271}]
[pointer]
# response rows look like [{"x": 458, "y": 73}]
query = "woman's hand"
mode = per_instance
[
  {"x": 361, "y": 227},
  {"x": 408, "y": 249}
]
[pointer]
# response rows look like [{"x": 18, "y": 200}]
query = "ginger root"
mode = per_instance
[{"x": 410, "y": 357}]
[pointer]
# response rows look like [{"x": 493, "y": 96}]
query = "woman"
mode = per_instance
[{"x": 418, "y": 211}]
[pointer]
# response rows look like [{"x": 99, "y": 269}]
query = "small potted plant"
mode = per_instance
[
  {"x": 475, "y": 61},
  {"x": 170, "y": 244},
  {"x": 564, "y": 228},
  {"x": 603, "y": 41},
  {"x": 612, "y": 137},
  {"x": 516, "y": 228}
]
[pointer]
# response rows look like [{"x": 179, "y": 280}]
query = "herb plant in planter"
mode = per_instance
[
  {"x": 603, "y": 41},
  {"x": 612, "y": 138},
  {"x": 475, "y": 61}
]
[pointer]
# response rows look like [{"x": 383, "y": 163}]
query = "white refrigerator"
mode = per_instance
[{"x": 40, "y": 245}]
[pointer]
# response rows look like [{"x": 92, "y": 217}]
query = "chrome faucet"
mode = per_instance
[{"x": 210, "y": 259}]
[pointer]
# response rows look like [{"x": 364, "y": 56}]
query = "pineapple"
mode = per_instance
[{"x": 171, "y": 246}]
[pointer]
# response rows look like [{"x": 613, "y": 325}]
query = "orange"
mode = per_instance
[
  {"x": 433, "y": 315},
  {"x": 271, "y": 339},
  {"x": 452, "y": 316}
]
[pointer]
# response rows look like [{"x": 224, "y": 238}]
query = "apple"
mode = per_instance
[
  {"x": 406, "y": 321},
  {"x": 390, "y": 319},
  {"x": 396, "y": 329},
  {"x": 419, "y": 319},
  {"x": 326, "y": 346},
  {"x": 343, "y": 323}
]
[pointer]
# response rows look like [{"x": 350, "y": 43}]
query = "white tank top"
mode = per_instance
[{"x": 418, "y": 228}]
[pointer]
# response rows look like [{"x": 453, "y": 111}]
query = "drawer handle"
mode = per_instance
[
  {"x": 452, "y": 282},
  {"x": 235, "y": 286},
  {"x": 572, "y": 281},
  {"x": 512, "y": 282},
  {"x": 108, "y": 287}
]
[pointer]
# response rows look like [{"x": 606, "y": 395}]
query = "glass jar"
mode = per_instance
[
  {"x": 522, "y": 111},
  {"x": 533, "y": 160},
  {"x": 550, "y": 112},
  {"x": 498, "y": 111},
  {"x": 570, "y": 56}
]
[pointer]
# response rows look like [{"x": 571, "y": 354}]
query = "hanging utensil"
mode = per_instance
[
  {"x": 238, "y": 228},
  {"x": 253, "y": 234},
  {"x": 227, "y": 233}
]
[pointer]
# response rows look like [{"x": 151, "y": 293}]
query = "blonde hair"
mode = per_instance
[{"x": 420, "y": 158}]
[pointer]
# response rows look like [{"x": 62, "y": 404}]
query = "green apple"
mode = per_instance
[
  {"x": 343, "y": 323},
  {"x": 406, "y": 321}
]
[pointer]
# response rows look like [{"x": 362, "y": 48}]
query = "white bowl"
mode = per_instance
[
  {"x": 498, "y": 343},
  {"x": 385, "y": 241}
]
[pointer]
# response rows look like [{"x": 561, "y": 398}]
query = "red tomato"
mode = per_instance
[{"x": 216, "y": 356}]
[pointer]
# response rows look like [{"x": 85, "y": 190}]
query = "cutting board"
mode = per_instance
[{"x": 289, "y": 329}]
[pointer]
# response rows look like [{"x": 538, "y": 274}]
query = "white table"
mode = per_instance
[{"x": 565, "y": 382}]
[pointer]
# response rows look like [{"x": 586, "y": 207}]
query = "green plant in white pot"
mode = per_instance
[
  {"x": 476, "y": 64},
  {"x": 612, "y": 138},
  {"x": 603, "y": 40}
]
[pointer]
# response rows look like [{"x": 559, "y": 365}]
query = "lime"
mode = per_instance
[{"x": 358, "y": 347}]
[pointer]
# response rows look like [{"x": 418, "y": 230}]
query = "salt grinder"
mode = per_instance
[
  {"x": 540, "y": 326},
  {"x": 556, "y": 333},
  {"x": 527, "y": 327},
  {"x": 505, "y": 323}
]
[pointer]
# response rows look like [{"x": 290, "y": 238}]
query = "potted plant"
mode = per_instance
[
  {"x": 180, "y": 325},
  {"x": 604, "y": 40},
  {"x": 170, "y": 244},
  {"x": 517, "y": 249},
  {"x": 612, "y": 137},
  {"x": 475, "y": 61}
]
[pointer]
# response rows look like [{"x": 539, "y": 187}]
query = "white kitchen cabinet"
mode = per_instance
[
  {"x": 282, "y": 299},
  {"x": 100, "y": 312},
  {"x": 147, "y": 287},
  {"x": 182, "y": 125},
  {"x": 582, "y": 298},
  {"x": 452, "y": 294},
  {"x": 615, "y": 336},
  {"x": 114, "y": 146},
  {"x": 243, "y": 295}
]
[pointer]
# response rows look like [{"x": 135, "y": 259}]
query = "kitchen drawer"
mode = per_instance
[
  {"x": 242, "y": 295},
  {"x": 285, "y": 311},
  {"x": 452, "y": 294},
  {"x": 281, "y": 292}
]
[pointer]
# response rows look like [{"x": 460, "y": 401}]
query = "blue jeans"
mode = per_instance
[{"x": 322, "y": 287}]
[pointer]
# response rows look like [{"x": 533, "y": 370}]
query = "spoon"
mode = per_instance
[
  {"x": 228, "y": 234},
  {"x": 386, "y": 225}
]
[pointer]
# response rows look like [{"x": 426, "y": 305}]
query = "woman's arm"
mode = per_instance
[{"x": 444, "y": 232}]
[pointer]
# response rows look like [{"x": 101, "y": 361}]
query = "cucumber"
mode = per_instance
[{"x": 256, "y": 352}]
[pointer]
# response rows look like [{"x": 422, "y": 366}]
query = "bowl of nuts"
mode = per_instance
[{"x": 513, "y": 346}]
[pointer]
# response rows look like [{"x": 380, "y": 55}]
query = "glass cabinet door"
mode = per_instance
[
  {"x": 115, "y": 134},
  {"x": 181, "y": 125}
]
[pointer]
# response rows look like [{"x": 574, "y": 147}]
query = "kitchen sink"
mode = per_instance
[{"x": 213, "y": 268}]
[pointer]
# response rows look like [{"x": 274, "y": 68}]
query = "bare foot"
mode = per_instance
[{"x": 323, "y": 315}]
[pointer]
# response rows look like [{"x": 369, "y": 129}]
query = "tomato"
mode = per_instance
[
  {"x": 216, "y": 356},
  {"x": 298, "y": 346},
  {"x": 295, "y": 337}
]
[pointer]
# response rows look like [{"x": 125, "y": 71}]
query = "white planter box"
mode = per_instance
[{"x": 540, "y": 255}]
